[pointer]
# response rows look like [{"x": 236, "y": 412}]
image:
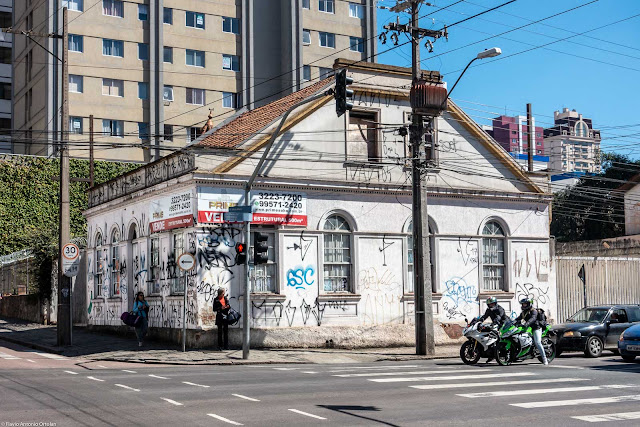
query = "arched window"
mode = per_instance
[
  {"x": 410, "y": 278},
  {"x": 582, "y": 129},
  {"x": 492, "y": 257},
  {"x": 98, "y": 277},
  {"x": 337, "y": 254},
  {"x": 115, "y": 263}
]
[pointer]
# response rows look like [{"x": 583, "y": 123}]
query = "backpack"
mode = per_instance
[{"x": 542, "y": 318}]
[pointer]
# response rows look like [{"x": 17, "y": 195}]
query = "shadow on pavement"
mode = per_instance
[{"x": 349, "y": 409}]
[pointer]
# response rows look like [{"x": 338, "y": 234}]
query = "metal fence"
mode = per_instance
[{"x": 608, "y": 280}]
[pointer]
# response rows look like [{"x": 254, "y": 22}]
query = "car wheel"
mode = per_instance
[
  {"x": 594, "y": 347},
  {"x": 628, "y": 357}
]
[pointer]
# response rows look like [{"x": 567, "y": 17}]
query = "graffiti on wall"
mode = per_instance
[
  {"x": 468, "y": 250},
  {"x": 382, "y": 293},
  {"x": 301, "y": 277},
  {"x": 459, "y": 298}
]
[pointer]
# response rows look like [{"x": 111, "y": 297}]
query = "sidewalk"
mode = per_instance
[{"x": 95, "y": 346}]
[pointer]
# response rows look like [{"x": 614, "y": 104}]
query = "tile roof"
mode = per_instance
[{"x": 249, "y": 123}]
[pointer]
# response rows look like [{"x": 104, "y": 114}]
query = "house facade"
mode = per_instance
[{"x": 334, "y": 198}]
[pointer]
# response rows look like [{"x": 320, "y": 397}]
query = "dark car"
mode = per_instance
[
  {"x": 594, "y": 329},
  {"x": 629, "y": 343}
]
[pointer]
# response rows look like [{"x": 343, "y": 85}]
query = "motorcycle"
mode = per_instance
[
  {"x": 516, "y": 344},
  {"x": 481, "y": 340}
]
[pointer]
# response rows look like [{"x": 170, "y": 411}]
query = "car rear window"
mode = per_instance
[{"x": 633, "y": 313}]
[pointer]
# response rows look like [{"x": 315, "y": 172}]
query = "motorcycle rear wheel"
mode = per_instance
[
  {"x": 504, "y": 355},
  {"x": 470, "y": 352},
  {"x": 549, "y": 349}
]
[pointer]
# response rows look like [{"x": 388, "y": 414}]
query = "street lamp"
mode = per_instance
[{"x": 488, "y": 53}]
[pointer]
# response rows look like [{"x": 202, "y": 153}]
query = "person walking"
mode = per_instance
[
  {"x": 141, "y": 308},
  {"x": 529, "y": 318},
  {"x": 221, "y": 307}
]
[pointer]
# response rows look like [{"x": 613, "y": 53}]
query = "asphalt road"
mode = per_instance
[{"x": 41, "y": 388}]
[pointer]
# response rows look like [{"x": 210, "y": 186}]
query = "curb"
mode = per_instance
[
  {"x": 205, "y": 363},
  {"x": 44, "y": 348}
]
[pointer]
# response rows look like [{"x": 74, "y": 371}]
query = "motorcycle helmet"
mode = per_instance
[
  {"x": 526, "y": 303},
  {"x": 492, "y": 302}
]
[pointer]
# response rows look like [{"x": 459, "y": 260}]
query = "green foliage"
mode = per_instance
[{"x": 591, "y": 209}]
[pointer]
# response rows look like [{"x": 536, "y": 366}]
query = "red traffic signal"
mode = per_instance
[{"x": 241, "y": 254}]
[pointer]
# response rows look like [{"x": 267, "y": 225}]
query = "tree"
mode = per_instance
[{"x": 592, "y": 209}]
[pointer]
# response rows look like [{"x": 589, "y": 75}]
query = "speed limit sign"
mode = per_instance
[{"x": 70, "y": 260}]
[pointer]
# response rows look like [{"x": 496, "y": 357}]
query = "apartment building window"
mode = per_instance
[
  {"x": 327, "y": 40},
  {"x": 75, "y": 125},
  {"x": 356, "y": 44},
  {"x": 362, "y": 136},
  {"x": 306, "y": 4},
  {"x": 493, "y": 261},
  {"x": 112, "y": 87},
  {"x": 264, "y": 274},
  {"x": 143, "y": 51},
  {"x": 356, "y": 10},
  {"x": 5, "y": 55},
  {"x": 143, "y": 90},
  {"x": 230, "y": 25},
  {"x": 154, "y": 267},
  {"x": 75, "y": 44},
  {"x": 167, "y": 16},
  {"x": 113, "y": 48},
  {"x": 306, "y": 73},
  {"x": 5, "y": 91},
  {"x": 195, "y": 20},
  {"x": 115, "y": 264},
  {"x": 229, "y": 100},
  {"x": 75, "y": 83},
  {"x": 195, "y": 58},
  {"x": 167, "y": 93},
  {"x": 75, "y": 5},
  {"x": 113, "y": 128},
  {"x": 195, "y": 96},
  {"x": 337, "y": 254},
  {"x": 168, "y": 132},
  {"x": 325, "y": 72},
  {"x": 306, "y": 37},
  {"x": 514, "y": 140},
  {"x": 230, "y": 62},
  {"x": 113, "y": 8},
  {"x": 98, "y": 275},
  {"x": 167, "y": 55},
  {"x": 143, "y": 12},
  {"x": 326, "y": 6},
  {"x": 143, "y": 131},
  {"x": 193, "y": 133}
]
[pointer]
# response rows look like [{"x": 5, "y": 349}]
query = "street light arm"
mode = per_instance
[{"x": 459, "y": 77}]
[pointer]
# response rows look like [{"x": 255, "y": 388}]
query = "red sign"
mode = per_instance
[{"x": 171, "y": 223}]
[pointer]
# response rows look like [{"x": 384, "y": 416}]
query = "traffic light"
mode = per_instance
[
  {"x": 342, "y": 94},
  {"x": 260, "y": 249},
  {"x": 241, "y": 253}
]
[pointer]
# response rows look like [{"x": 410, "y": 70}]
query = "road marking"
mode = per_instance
[
  {"x": 173, "y": 402},
  {"x": 496, "y": 383},
  {"x": 127, "y": 387},
  {"x": 375, "y": 367},
  {"x": 286, "y": 369},
  {"x": 131, "y": 372},
  {"x": 384, "y": 374},
  {"x": 564, "y": 367},
  {"x": 95, "y": 379},
  {"x": 245, "y": 397},
  {"x": 51, "y": 356},
  {"x": 450, "y": 377},
  {"x": 307, "y": 414},
  {"x": 101, "y": 366},
  {"x": 309, "y": 372},
  {"x": 29, "y": 360},
  {"x": 158, "y": 376},
  {"x": 592, "y": 401},
  {"x": 197, "y": 385},
  {"x": 226, "y": 420},
  {"x": 620, "y": 416},
  {"x": 8, "y": 356},
  {"x": 71, "y": 372},
  {"x": 527, "y": 392}
]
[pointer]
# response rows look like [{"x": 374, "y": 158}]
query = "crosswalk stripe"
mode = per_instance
[
  {"x": 350, "y": 369},
  {"x": 127, "y": 387},
  {"x": 528, "y": 392},
  {"x": 449, "y": 377},
  {"x": 384, "y": 374},
  {"x": 226, "y": 420},
  {"x": 592, "y": 401},
  {"x": 621, "y": 416},
  {"x": 8, "y": 356},
  {"x": 297, "y": 411},
  {"x": 51, "y": 356},
  {"x": 495, "y": 383},
  {"x": 173, "y": 402}
]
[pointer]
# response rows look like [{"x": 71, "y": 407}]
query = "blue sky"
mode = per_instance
[{"x": 565, "y": 74}]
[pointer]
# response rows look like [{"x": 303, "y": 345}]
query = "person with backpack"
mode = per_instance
[
  {"x": 530, "y": 317},
  {"x": 141, "y": 308},
  {"x": 221, "y": 307}
]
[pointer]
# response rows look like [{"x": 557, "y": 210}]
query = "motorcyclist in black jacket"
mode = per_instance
[
  {"x": 494, "y": 311},
  {"x": 529, "y": 318}
]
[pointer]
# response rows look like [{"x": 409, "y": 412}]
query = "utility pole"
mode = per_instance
[{"x": 530, "y": 137}]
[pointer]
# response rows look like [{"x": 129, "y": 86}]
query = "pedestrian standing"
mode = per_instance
[
  {"x": 141, "y": 308},
  {"x": 221, "y": 307}
]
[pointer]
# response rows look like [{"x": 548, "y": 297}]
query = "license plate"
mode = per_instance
[{"x": 633, "y": 348}]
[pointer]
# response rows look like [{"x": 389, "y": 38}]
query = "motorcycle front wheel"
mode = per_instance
[
  {"x": 504, "y": 355},
  {"x": 549, "y": 349},
  {"x": 470, "y": 352}
]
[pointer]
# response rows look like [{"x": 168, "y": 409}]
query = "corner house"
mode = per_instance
[{"x": 334, "y": 198}]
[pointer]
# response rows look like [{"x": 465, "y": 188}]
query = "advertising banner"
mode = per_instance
[
  {"x": 269, "y": 207},
  {"x": 167, "y": 213}
]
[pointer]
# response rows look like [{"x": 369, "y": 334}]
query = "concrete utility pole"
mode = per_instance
[{"x": 530, "y": 137}]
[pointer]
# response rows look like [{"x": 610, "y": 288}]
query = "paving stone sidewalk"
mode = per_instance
[{"x": 96, "y": 346}]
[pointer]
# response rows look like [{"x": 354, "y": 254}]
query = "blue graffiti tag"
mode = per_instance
[
  {"x": 300, "y": 277},
  {"x": 459, "y": 292}
]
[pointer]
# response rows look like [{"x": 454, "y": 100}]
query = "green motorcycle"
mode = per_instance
[{"x": 516, "y": 344}]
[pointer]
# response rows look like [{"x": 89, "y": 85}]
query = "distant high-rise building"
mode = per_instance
[
  {"x": 6, "y": 43},
  {"x": 513, "y": 133},
  {"x": 150, "y": 70},
  {"x": 572, "y": 143}
]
